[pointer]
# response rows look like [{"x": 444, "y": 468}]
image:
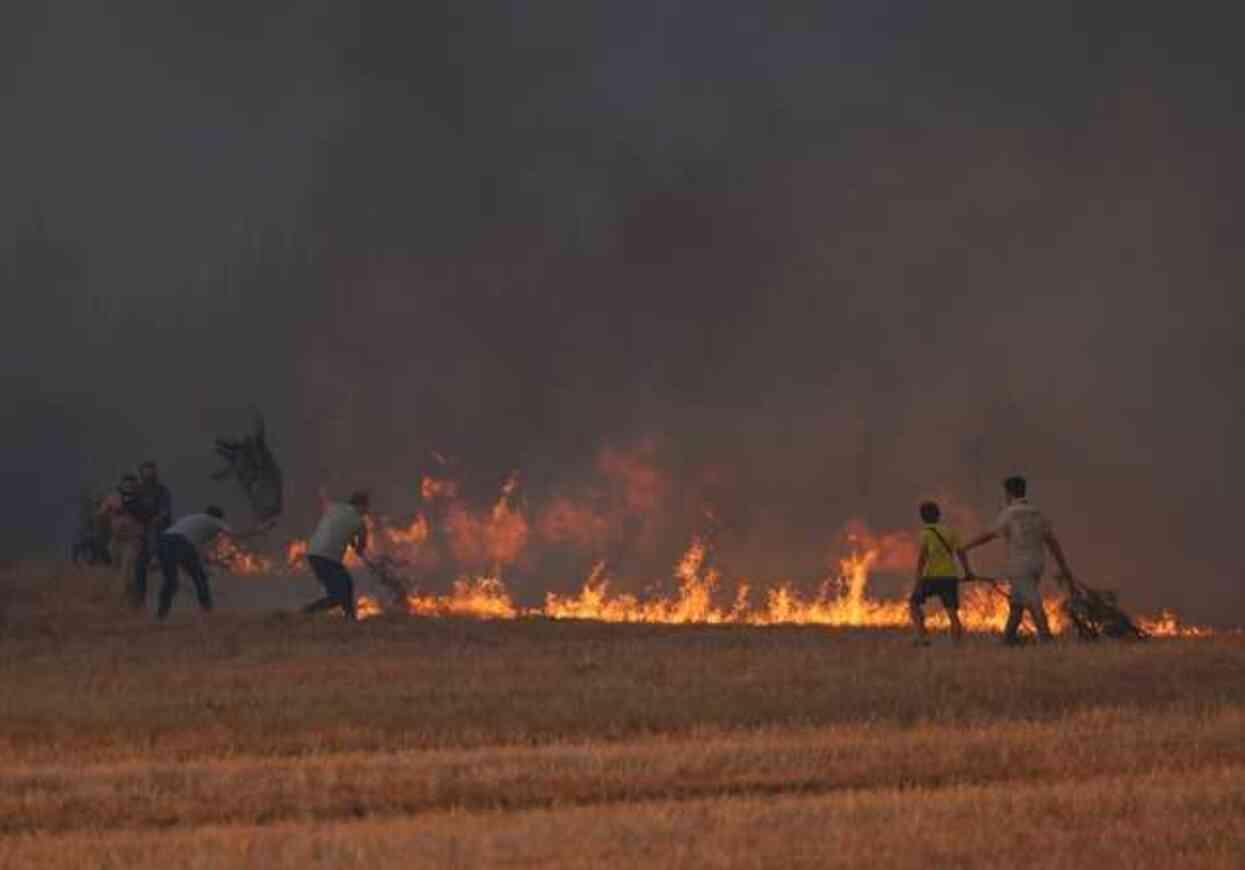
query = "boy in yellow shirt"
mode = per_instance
[{"x": 937, "y": 573}]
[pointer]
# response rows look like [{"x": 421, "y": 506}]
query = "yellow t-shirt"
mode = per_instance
[{"x": 939, "y": 562}]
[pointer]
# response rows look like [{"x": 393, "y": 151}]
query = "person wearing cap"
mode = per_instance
[
  {"x": 937, "y": 573},
  {"x": 341, "y": 525},
  {"x": 1028, "y": 535},
  {"x": 180, "y": 548}
]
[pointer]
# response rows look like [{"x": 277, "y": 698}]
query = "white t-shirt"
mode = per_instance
[
  {"x": 337, "y": 528},
  {"x": 199, "y": 529},
  {"x": 1024, "y": 528}
]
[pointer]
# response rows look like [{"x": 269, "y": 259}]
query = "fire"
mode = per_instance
[
  {"x": 481, "y": 544},
  {"x": 479, "y": 598},
  {"x": 489, "y": 540},
  {"x": 226, "y": 552},
  {"x": 1167, "y": 624},
  {"x": 295, "y": 553},
  {"x": 366, "y": 607}
]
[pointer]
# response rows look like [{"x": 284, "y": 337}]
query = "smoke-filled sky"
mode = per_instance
[{"x": 815, "y": 261}]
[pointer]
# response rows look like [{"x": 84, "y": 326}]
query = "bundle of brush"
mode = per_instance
[
  {"x": 1095, "y": 613},
  {"x": 390, "y": 573},
  {"x": 249, "y": 460}
]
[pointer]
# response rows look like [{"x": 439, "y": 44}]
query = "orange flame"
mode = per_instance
[
  {"x": 226, "y": 552},
  {"x": 488, "y": 541}
]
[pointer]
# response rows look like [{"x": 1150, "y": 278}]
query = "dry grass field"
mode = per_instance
[{"x": 268, "y": 740}]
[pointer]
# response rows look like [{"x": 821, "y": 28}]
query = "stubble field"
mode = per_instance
[{"x": 264, "y": 739}]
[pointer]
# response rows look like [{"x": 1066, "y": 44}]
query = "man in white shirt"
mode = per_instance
[
  {"x": 179, "y": 548},
  {"x": 342, "y": 525},
  {"x": 1028, "y": 535}
]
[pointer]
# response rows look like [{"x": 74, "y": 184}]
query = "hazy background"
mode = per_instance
[{"x": 813, "y": 260}]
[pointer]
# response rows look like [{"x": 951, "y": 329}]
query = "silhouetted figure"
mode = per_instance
[
  {"x": 121, "y": 513},
  {"x": 155, "y": 509}
]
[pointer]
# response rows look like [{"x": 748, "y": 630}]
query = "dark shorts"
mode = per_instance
[{"x": 946, "y": 588}]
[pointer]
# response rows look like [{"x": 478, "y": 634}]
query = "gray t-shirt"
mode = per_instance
[
  {"x": 337, "y": 528},
  {"x": 1024, "y": 528},
  {"x": 199, "y": 529}
]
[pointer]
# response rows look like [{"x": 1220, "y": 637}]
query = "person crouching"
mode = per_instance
[
  {"x": 937, "y": 573},
  {"x": 341, "y": 526}
]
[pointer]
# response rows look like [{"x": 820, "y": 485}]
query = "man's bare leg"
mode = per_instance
[
  {"x": 917, "y": 612},
  {"x": 957, "y": 628}
]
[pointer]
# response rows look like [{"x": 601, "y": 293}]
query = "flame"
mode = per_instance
[
  {"x": 841, "y": 600},
  {"x": 366, "y": 607},
  {"x": 226, "y": 552},
  {"x": 296, "y": 554},
  {"x": 479, "y": 598},
  {"x": 494, "y": 539},
  {"x": 432, "y": 489},
  {"x": 483, "y": 543},
  {"x": 1168, "y": 624}
]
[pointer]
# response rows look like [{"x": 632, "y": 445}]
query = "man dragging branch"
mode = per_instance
[{"x": 1028, "y": 535}]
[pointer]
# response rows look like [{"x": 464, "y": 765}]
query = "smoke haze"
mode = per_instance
[{"x": 807, "y": 264}]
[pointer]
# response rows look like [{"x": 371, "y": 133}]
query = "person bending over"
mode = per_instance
[{"x": 180, "y": 549}]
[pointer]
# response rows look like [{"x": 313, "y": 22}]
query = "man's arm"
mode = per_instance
[
  {"x": 962, "y": 555},
  {"x": 983, "y": 538},
  {"x": 1057, "y": 551}
]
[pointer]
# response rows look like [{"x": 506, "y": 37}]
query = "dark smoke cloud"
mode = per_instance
[{"x": 830, "y": 261}]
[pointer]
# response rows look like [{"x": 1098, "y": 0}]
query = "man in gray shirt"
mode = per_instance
[{"x": 1028, "y": 535}]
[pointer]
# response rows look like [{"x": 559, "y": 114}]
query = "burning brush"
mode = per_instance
[
  {"x": 1095, "y": 613},
  {"x": 389, "y": 572}
]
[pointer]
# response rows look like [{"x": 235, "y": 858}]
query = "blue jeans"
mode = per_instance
[
  {"x": 337, "y": 582},
  {"x": 177, "y": 553}
]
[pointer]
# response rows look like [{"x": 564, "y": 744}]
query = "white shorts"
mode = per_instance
[{"x": 1023, "y": 588}]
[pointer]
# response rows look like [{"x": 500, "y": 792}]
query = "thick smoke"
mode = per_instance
[{"x": 813, "y": 265}]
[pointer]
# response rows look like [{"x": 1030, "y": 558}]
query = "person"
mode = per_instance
[
  {"x": 1028, "y": 535},
  {"x": 342, "y": 525},
  {"x": 937, "y": 573},
  {"x": 121, "y": 513},
  {"x": 179, "y": 548},
  {"x": 155, "y": 509}
]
